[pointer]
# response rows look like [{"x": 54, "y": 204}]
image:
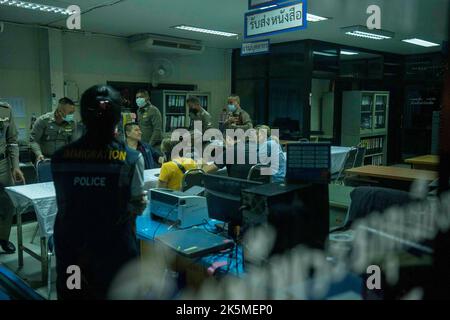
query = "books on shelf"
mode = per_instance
[
  {"x": 373, "y": 145},
  {"x": 176, "y": 104},
  {"x": 375, "y": 160},
  {"x": 174, "y": 122},
  {"x": 203, "y": 102},
  {"x": 173, "y": 106}
]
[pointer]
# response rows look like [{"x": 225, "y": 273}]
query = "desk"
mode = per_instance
[
  {"x": 148, "y": 229},
  {"x": 340, "y": 200},
  {"x": 394, "y": 173},
  {"x": 339, "y": 196},
  {"x": 42, "y": 197},
  {"x": 286, "y": 142},
  {"x": 427, "y": 162}
]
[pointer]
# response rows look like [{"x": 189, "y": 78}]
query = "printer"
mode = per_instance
[{"x": 178, "y": 207}]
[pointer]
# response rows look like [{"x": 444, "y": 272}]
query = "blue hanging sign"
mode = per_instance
[{"x": 287, "y": 17}]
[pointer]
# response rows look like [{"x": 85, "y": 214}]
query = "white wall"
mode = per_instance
[
  {"x": 91, "y": 60},
  {"x": 20, "y": 69}
]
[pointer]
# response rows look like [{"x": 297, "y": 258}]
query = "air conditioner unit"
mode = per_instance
[{"x": 161, "y": 44}]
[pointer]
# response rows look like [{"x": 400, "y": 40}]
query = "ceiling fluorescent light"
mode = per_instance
[
  {"x": 268, "y": 7},
  {"x": 420, "y": 42},
  {"x": 34, "y": 6},
  {"x": 348, "y": 53},
  {"x": 209, "y": 31},
  {"x": 314, "y": 18},
  {"x": 320, "y": 53},
  {"x": 363, "y": 32}
]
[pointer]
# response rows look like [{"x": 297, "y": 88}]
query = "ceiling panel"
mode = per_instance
[{"x": 407, "y": 18}]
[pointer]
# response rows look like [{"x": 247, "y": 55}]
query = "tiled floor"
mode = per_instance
[{"x": 31, "y": 270}]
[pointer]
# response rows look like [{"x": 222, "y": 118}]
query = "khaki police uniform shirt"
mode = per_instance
[
  {"x": 202, "y": 116},
  {"x": 243, "y": 120},
  {"x": 9, "y": 147},
  {"x": 150, "y": 121},
  {"x": 47, "y": 136}
]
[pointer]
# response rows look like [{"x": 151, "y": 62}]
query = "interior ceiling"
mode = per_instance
[{"x": 425, "y": 19}]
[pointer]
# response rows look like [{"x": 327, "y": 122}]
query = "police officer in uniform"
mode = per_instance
[
  {"x": 9, "y": 173},
  {"x": 237, "y": 118},
  {"x": 99, "y": 184},
  {"x": 53, "y": 130},
  {"x": 149, "y": 119},
  {"x": 197, "y": 113}
]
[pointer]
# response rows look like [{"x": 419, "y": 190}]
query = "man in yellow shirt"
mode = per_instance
[{"x": 172, "y": 171}]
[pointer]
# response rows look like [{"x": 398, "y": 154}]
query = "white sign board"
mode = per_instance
[
  {"x": 253, "y": 48},
  {"x": 288, "y": 17}
]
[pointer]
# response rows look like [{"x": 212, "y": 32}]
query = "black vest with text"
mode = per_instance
[{"x": 93, "y": 189}]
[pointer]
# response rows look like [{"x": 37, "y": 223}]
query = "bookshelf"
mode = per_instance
[
  {"x": 172, "y": 104},
  {"x": 365, "y": 122}
]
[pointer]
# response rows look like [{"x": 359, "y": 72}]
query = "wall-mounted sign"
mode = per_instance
[
  {"x": 255, "y": 47},
  {"x": 283, "y": 18},
  {"x": 255, "y": 4}
]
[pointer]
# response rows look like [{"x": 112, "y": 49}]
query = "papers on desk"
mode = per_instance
[
  {"x": 34, "y": 191},
  {"x": 151, "y": 178},
  {"x": 43, "y": 198}
]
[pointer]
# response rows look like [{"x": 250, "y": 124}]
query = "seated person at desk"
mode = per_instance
[
  {"x": 173, "y": 170},
  {"x": 237, "y": 169},
  {"x": 262, "y": 144},
  {"x": 268, "y": 144},
  {"x": 133, "y": 135}
]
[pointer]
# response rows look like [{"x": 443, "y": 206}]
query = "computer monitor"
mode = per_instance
[
  {"x": 287, "y": 124},
  {"x": 308, "y": 162},
  {"x": 223, "y": 196}
]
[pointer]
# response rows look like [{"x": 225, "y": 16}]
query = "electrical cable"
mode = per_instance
[
  {"x": 91, "y": 9},
  {"x": 154, "y": 233},
  {"x": 237, "y": 259}
]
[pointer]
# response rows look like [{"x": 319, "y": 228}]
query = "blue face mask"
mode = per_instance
[
  {"x": 141, "y": 102},
  {"x": 231, "y": 108},
  {"x": 69, "y": 118}
]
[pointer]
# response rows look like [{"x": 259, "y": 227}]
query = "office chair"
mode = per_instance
[
  {"x": 43, "y": 174},
  {"x": 193, "y": 177},
  {"x": 50, "y": 254},
  {"x": 255, "y": 174},
  {"x": 366, "y": 200},
  {"x": 44, "y": 171},
  {"x": 355, "y": 181},
  {"x": 349, "y": 162},
  {"x": 359, "y": 159}
]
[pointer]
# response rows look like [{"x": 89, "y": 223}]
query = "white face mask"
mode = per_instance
[
  {"x": 69, "y": 118},
  {"x": 141, "y": 102},
  {"x": 231, "y": 107}
]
